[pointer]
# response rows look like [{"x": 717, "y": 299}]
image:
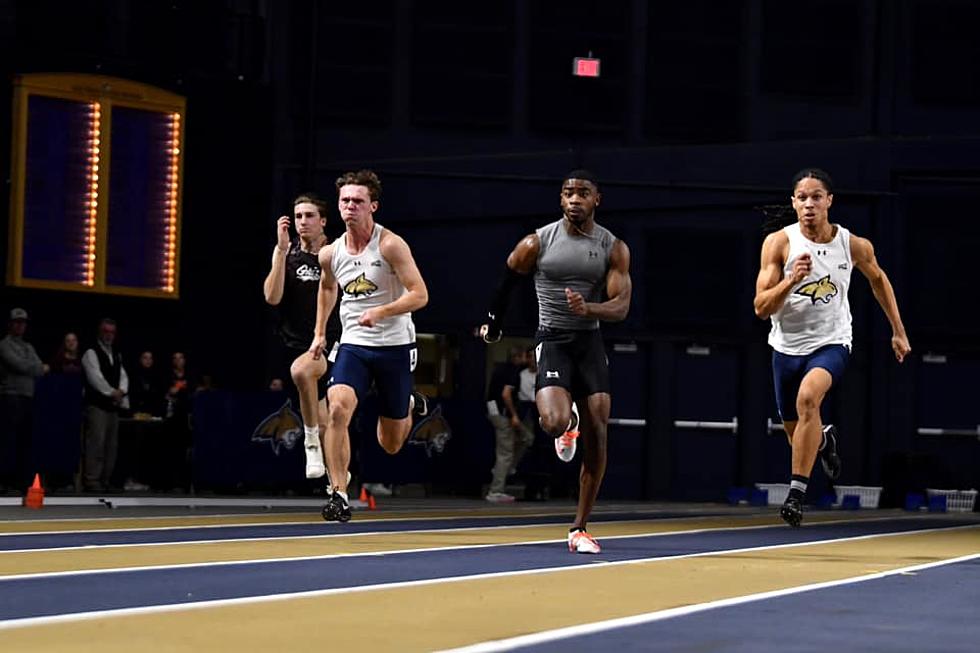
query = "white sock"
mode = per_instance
[{"x": 312, "y": 434}]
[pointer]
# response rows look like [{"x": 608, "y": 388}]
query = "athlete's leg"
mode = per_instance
[
  {"x": 593, "y": 431},
  {"x": 392, "y": 433},
  {"x": 789, "y": 426},
  {"x": 554, "y": 404},
  {"x": 324, "y": 412},
  {"x": 322, "y": 415},
  {"x": 306, "y": 371},
  {"x": 808, "y": 435},
  {"x": 393, "y": 370},
  {"x": 341, "y": 402}
]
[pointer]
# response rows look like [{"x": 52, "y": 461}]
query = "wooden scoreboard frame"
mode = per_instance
[{"x": 101, "y": 94}]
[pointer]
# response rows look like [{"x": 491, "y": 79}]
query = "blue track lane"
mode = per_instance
[
  {"x": 13, "y": 541},
  {"x": 32, "y": 597},
  {"x": 933, "y": 610}
]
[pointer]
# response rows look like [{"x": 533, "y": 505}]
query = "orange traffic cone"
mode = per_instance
[
  {"x": 35, "y": 494},
  {"x": 372, "y": 505},
  {"x": 364, "y": 494}
]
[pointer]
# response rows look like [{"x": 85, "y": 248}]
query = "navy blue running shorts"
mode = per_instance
[
  {"x": 788, "y": 372},
  {"x": 389, "y": 367}
]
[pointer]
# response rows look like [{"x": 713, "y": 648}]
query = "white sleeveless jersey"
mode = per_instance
[
  {"x": 366, "y": 281},
  {"x": 816, "y": 312}
]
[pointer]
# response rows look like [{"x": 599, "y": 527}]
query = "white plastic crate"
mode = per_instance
[
  {"x": 956, "y": 500},
  {"x": 777, "y": 492},
  {"x": 868, "y": 496}
]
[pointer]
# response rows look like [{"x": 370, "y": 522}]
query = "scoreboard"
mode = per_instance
[{"x": 95, "y": 203}]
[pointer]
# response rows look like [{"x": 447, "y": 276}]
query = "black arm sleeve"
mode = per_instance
[{"x": 501, "y": 297}]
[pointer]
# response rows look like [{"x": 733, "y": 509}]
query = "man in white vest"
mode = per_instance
[
  {"x": 380, "y": 285},
  {"x": 802, "y": 285}
]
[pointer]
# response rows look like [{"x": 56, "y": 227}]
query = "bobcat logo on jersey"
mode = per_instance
[
  {"x": 360, "y": 286},
  {"x": 282, "y": 428},
  {"x": 821, "y": 290}
]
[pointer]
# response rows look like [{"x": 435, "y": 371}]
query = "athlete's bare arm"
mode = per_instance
[
  {"x": 326, "y": 297},
  {"x": 396, "y": 251},
  {"x": 863, "y": 254},
  {"x": 771, "y": 287},
  {"x": 619, "y": 289},
  {"x": 525, "y": 255},
  {"x": 276, "y": 279}
]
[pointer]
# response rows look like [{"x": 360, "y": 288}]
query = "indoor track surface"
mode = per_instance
[{"x": 464, "y": 575}]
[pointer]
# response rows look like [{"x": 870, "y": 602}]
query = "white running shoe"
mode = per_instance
[
  {"x": 582, "y": 542},
  {"x": 314, "y": 459},
  {"x": 565, "y": 444},
  {"x": 500, "y": 497}
]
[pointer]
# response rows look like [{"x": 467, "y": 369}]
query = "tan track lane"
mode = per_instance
[
  {"x": 449, "y": 614},
  {"x": 133, "y": 556},
  {"x": 123, "y": 523}
]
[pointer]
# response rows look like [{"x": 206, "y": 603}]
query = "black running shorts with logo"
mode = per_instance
[{"x": 574, "y": 360}]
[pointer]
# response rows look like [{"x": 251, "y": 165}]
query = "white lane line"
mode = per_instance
[
  {"x": 542, "y": 637},
  {"x": 309, "y": 522},
  {"x": 285, "y": 596},
  {"x": 460, "y": 547},
  {"x": 78, "y": 547}
]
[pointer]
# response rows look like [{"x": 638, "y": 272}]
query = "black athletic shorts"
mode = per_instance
[{"x": 574, "y": 360}]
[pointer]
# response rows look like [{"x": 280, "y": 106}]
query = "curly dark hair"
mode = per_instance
[{"x": 362, "y": 178}]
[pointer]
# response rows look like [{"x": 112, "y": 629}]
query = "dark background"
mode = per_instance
[{"x": 470, "y": 115}]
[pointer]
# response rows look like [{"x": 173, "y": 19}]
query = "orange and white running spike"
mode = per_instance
[
  {"x": 582, "y": 542},
  {"x": 565, "y": 446}
]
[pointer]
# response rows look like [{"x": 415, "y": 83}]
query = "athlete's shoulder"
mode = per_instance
[
  {"x": 550, "y": 227},
  {"x": 606, "y": 237},
  {"x": 776, "y": 239},
  {"x": 861, "y": 248},
  {"x": 325, "y": 255},
  {"x": 547, "y": 234},
  {"x": 388, "y": 239},
  {"x": 775, "y": 248}
]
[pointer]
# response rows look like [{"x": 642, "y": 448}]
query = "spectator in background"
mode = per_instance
[
  {"x": 525, "y": 392},
  {"x": 106, "y": 390},
  {"x": 137, "y": 451},
  {"x": 204, "y": 384},
  {"x": 19, "y": 367},
  {"x": 177, "y": 423},
  {"x": 276, "y": 385},
  {"x": 67, "y": 360},
  {"x": 512, "y": 438},
  {"x": 178, "y": 391},
  {"x": 146, "y": 389}
]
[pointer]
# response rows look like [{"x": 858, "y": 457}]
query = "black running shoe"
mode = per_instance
[
  {"x": 336, "y": 508},
  {"x": 421, "y": 408},
  {"x": 792, "y": 512},
  {"x": 829, "y": 459}
]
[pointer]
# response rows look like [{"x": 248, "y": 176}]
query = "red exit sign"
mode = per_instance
[{"x": 585, "y": 67}]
